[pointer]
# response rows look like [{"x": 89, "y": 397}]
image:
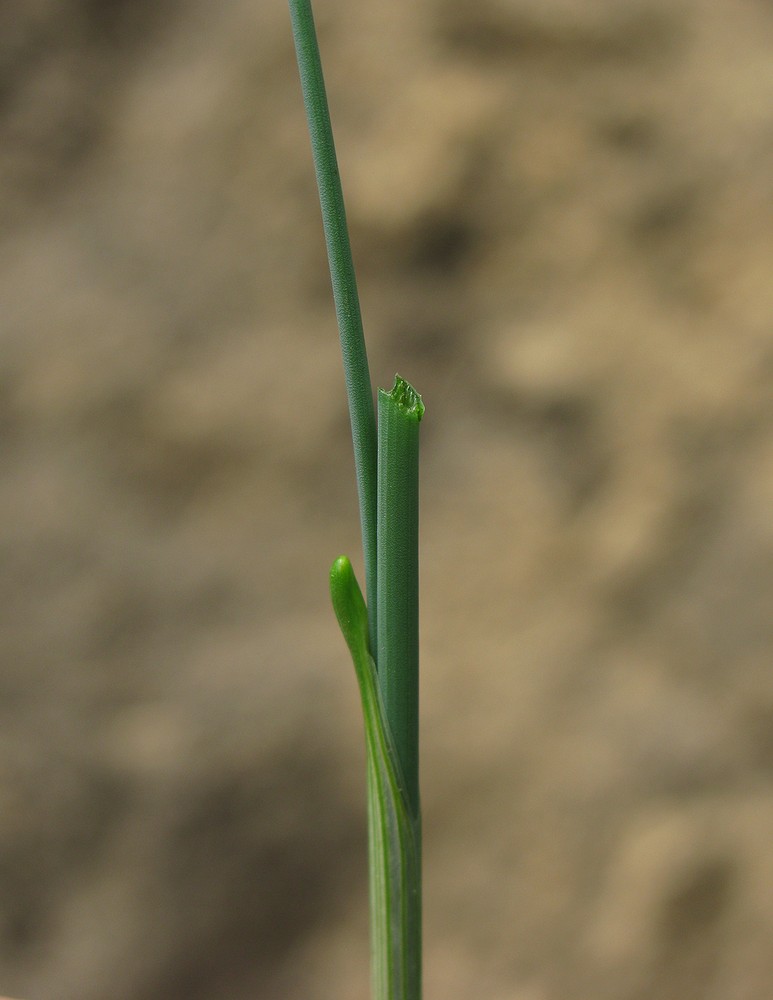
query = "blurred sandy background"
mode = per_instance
[{"x": 562, "y": 213}]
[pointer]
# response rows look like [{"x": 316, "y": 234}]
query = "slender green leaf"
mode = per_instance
[
  {"x": 394, "y": 828},
  {"x": 359, "y": 389}
]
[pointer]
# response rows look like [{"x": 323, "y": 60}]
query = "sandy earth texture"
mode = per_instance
[{"x": 562, "y": 213}]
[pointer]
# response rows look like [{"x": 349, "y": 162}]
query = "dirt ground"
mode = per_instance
[{"x": 562, "y": 213}]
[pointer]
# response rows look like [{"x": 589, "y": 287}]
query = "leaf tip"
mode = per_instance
[{"x": 348, "y": 603}]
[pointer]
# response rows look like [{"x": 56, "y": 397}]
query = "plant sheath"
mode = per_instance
[
  {"x": 397, "y": 601},
  {"x": 347, "y": 302}
]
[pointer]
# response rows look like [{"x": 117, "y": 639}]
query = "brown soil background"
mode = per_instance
[{"x": 562, "y": 214}]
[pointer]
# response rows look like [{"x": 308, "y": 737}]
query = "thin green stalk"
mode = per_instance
[
  {"x": 347, "y": 303},
  {"x": 388, "y": 495},
  {"x": 397, "y": 533},
  {"x": 394, "y": 841}
]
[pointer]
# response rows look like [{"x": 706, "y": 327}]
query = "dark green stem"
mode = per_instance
[
  {"x": 397, "y": 623},
  {"x": 358, "y": 385}
]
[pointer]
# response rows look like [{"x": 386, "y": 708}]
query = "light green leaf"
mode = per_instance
[{"x": 394, "y": 834}]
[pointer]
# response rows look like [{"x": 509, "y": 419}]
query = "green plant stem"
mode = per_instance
[
  {"x": 397, "y": 601},
  {"x": 387, "y": 485},
  {"x": 394, "y": 830},
  {"x": 359, "y": 390}
]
